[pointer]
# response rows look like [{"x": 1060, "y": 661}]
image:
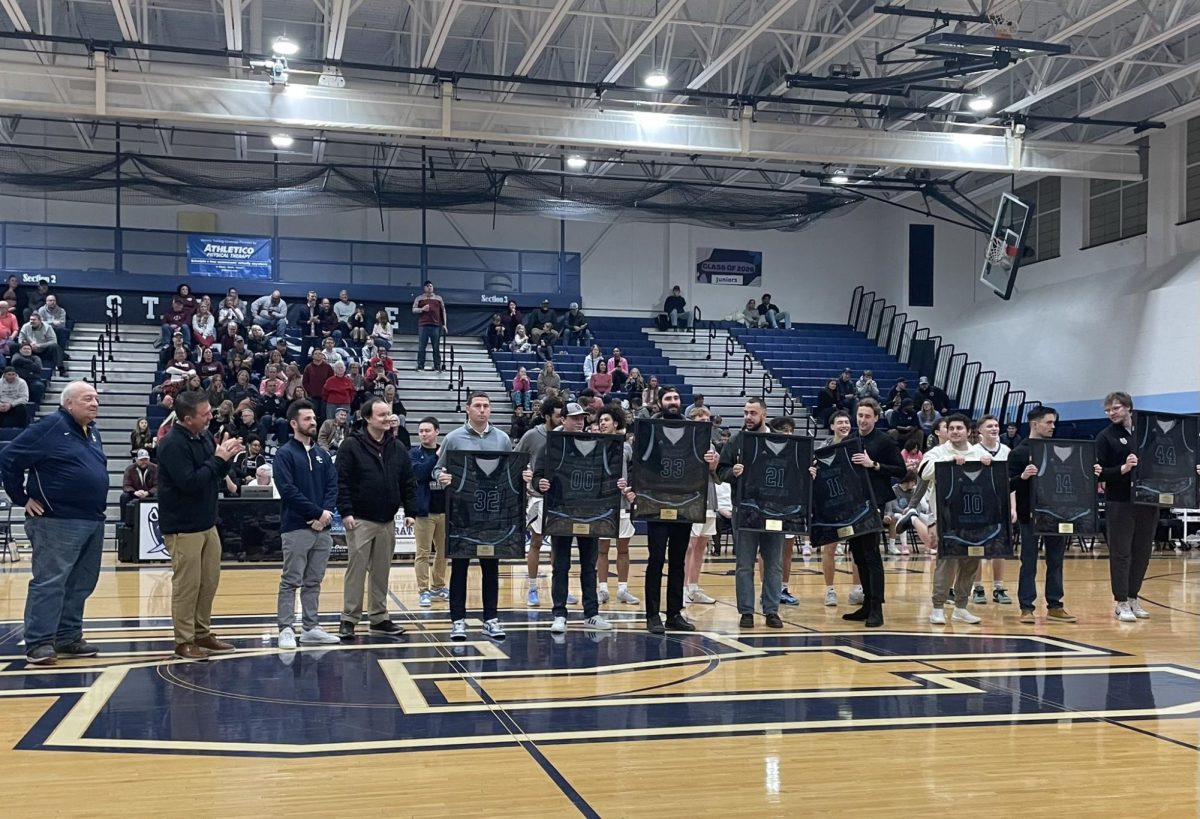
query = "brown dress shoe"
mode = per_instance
[
  {"x": 189, "y": 651},
  {"x": 212, "y": 645}
]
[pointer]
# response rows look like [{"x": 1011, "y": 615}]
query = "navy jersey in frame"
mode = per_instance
[
  {"x": 774, "y": 491},
  {"x": 583, "y": 469},
  {"x": 973, "y": 511},
  {"x": 669, "y": 474},
  {"x": 1166, "y": 453},
  {"x": 843, "y": 503},
  {"x": 485, "y": 515},
  {"x": 1063, "y": 492}
]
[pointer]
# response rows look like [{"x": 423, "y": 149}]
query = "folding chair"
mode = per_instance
[{"x": 8, "y": 546}]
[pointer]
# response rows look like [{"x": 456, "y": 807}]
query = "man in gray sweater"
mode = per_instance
[{"x": 14, "y": 398}]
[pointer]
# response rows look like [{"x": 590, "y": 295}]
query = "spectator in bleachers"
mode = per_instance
[
  {"x": 520, "y": 342},
  {"x": 334, "y": 431},
  {"x": 175, "y": 320},
  {"x": 139, "y": 481},
  {"x": 521, "y": 389},
  {"x": 829, "y": 400},
  {"x": 549, "y": 382},
  {"x": 601, "y": 382},
  {"x": 222, "y": 419},
  {"x": 166, "y": 425},
  {"x": 494, "y": 338},
  {"x": 258, "y": 349},
  {"x": 941, "y": 434},
  {"x": 141, "y": 438},
  {"x": 230, "y": 333},
  {"x": 270, "y": 313},
  {"x": 540, "y": 316},
  {"x": 432, "y": 324},
  {"x": 650, "y": 394},
  {"x": 902, "y": 420},
  {"x": 272, "y": 391},
  {"x": 16, "y": 297},
  {"x": 306, "y": 318},
  {"x": 846, "y": 388},
  {"x": 231, "y": 310},
  {"x": 380, "y": 379},
  {"x": 316, "y": 374},
  {"x": 618, "y": 367},
  {"x": 927, "y": 417},
  {"x": 355, "y": 374},
  {"x": 335, "y": 352},
  {"x": 241, "y": 352},
  {"x": 285, "y": 355},
  {"x": 339, "y": 390},
  {"x": 511, "y": 318},
  {"x": 518, "y": 425},
  {"x": 1011, "y": 437},
  {"x": 54, "y": 315},
  {"x": 866, "y": 387},
  {"x": 239, "y": 361},
  {"x": 900, "y": 390},
  {"x": 678, "y": 316},
  {"x": 242, "y": 388},
  {"x": 384, "y": 359},
  {"x": 590, "y": 401},
  {"x": 772, "y": 315},
  {"x": 327, "y": 326},
  {"x": 243, "y": 469},
  {"x": 912, "y": 454},
  {"x": 936, "y": 395},
  {"x": 29, "y": 366},
  {"x": 216, "y": 390},
  {"x": 37, "y": 298},
  {"x": 193, "y": 383},
  {"x": 204, "y": 327},
  {"x": 245, "y": 425},
  {"x": 343, "y": 310},
  {"x": 594, "y": 356},
  {"x": 14, "y": 396},
  {"x": 545, "y": 340},
  {"x": 697, "y": 403},
  {"x": 9, "y": 328},
  {"x": 181, "y": 366},
  {"x": 381, "y": 333},
  {"x": 294, "y": 378},
  {"x": 749, "y": 315},
  {"x": 209, "y": 364},
  {"x": 184, "y": 293},
  {"x": 635, "y": 384},
  {"x": 637, "y": 409},
  {"x": 575, "y": 327},
  {"x": 356, "y": 327}
]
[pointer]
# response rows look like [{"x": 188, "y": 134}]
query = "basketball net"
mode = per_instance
[
  {"x": 997, "y": 252},
  {"x": 1003, "y": 27}
]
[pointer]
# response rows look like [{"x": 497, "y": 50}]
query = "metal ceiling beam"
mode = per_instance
[
  {"x": 441, "y": 32},
  {"x": 339, "y": 17},
  {"x": 665, "y": 13},
  {"x": 125, "y": 19},
  {"x": 232, "y": 10},
  {"x": 545, "y": 34},
  {"x": 739, "y": 45}
]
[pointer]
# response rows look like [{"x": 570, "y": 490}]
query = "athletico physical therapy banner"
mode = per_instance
[
  {"x": 716, "y": 265},
  {"x": 238, "y": 257}
]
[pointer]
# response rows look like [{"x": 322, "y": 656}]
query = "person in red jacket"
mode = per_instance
[
  {"x": 140, "y": 481},
  {"x": 313, "y": 381},
  {"x": 339, "y": 390},
  {"x": 175, "y": 318},
  {"x": 9, "y": 327}
]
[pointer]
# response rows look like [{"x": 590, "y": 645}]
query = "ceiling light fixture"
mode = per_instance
[
  {"x": 980, "y": 104},
  {"x": 839, "y": 178},
  {"x": 284, "y": 47},
  {"x": 657, "y": 79},
  {"x": 282, "y": 141},
  {"x": 576, "y": 162}
]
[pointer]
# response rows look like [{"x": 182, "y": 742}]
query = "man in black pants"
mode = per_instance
[
  {"x": 665, "y": 540},
  {"x": 1130, "y": 527},
  {"x": 882, "y": 463}
]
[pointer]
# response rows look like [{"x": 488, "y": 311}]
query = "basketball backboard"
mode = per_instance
[{"x": 1006, "y": 244}]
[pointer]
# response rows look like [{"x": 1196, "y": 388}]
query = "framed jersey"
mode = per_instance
[
  {"x": 1062, "y": 494},
  {"x": 1166, "y": 453},
  {"x": 669, "y": 475},
  {"x": 774, "y": 492},
  {"x": 583, "y": 469},
  {"x": 973, "y": 510},
  {"x": 843, "y": 504},
  {"x": 485, "y": 515}
]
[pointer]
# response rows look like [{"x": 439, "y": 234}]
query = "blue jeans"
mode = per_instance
[
  {"x": 427, "y": 334},
  {"x": 674, "y": 316},
  {"x": 1056, "y": 547},
  {"x": 521, "y": 399},
  {"x": 168, "y": 331},
  {"x": 746, "y": 547},
  {"x": 270, "y": 326},
  {"x": 775, "y": 317},
  {"x": 66, "y": 566}
]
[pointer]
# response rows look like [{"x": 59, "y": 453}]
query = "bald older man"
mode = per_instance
[{"x": 58, "y": 471}]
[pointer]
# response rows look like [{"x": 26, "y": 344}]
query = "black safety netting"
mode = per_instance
[{"x": 295, "y": 189}]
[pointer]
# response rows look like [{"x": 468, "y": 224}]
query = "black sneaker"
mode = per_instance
[
  {"x": 654, "y": 624},
  {"x": 386, "y": 627},
  {"x": 773, "y": 621},
  {"x": 41, "y": 655},
  {"x": 680, "y": 623},
  {"x": 746, "y": 621},
  {"x": 79, "y": 648},
  {"x": 346, "y": 630}
]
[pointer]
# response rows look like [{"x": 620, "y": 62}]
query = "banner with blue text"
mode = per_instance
[{"x": 237, "y": 257}]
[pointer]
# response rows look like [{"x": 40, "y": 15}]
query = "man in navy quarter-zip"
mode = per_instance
[
  {"x": 307, "y": 484},
  {"x": 57, "y": 470}
]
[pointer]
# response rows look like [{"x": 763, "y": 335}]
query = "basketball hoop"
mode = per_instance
[
  {"x": 997, "y": 251},
  {"x": 1002, "y": 26}
]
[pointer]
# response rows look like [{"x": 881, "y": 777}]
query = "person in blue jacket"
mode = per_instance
[
  {"x": 430, "y": 516},
  {"x": 57, "y": 470},
  {"x": 307, "y": 482}
]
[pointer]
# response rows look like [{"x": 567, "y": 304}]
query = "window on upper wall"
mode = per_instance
[
  {"x": 1191, "y": 204},
  {"x": 1117, "y": 210},
  {"x": 1046, "y": 198}
]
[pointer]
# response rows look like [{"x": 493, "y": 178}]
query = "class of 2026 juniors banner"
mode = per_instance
[
  {"x": 234, "y": 257},
  {"x": 717, "y": 265}
]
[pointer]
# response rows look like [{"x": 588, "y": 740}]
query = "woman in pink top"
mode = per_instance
[
  {"x": 521, "y": 389},
  {"x": 601, "y": 381}
]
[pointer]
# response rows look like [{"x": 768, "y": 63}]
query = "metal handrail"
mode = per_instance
[
  {"x": 730, "y": 347},
  {"x": 712, "y": 333},
  {"x": 458, "y": 394},
  {"x": 747, "y": 368},
  {"x": 789, "y": 405},
  {"x": 93, "y": 376},
  {"x": 113, "y": 314},
  {"x": 695, "y": 322},
  {"x": 100, "y": 339},
  {"x": 768, "y": 386},
  {"x": 450, "y": 367}
]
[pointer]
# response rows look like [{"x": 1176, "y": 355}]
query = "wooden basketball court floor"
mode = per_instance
[{"x": 822, "y": 718}]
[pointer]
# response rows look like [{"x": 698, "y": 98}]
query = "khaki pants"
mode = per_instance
[
  {"x": 195, "y": 575},
  {"x": 430, "y": 533},
  {"x": 370, "y": 546},
  {"x": 956, "y": 572}
]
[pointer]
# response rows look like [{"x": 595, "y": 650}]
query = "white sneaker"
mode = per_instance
[
  {"x": 856, "y": 596},
  {"x": 597, "y": 623},
  {"x": 806, "y": 550},
  {"x": 318, "y": 636},
  {"x": 937, "y": 617},
  {"x": 287, "y": 638},
  {"x": 687, "y": 597},
  {"x": 701, "y": 596},
  {"x": 1124, "y": 613},
  {"x": 602, "y": 595},
  {"x": 964, "y": 616},
  {"x": 625, "y": 597},
  {"x": 831, "y": 597},
  {"x": 458, "y": 631},
  {"x": 892, "y": 548},
  {"x": 493, "y": 629},
  {"x": 559, "y": 625},
  {"x": 840, "y": 551},
  {"x": 1136, "y": 607}
]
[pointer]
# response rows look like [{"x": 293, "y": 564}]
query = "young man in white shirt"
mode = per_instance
[{"x": 989, "y": 442}]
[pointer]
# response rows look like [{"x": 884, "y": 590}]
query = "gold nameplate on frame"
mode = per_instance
[
  {"x": 1166, "y": 500},
  {"x": 485, "y": 551},
  {"x": 668, "y": 514},
  {"x": 580, "y": 529},
  {"x": 774, "y": 526},
  {"x": 845, "y": 531},
  {"x": 974, "y": 551},
  {"x": 1066, "y": 528}
]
